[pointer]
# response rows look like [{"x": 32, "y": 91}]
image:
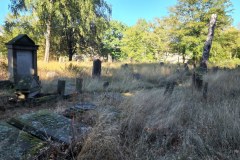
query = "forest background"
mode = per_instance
[{"x": 85, "y": 28}]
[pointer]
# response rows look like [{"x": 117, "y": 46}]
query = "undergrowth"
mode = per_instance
[
  {"x": 145, "y": 123},
  {"x": 184, "y": 125}
]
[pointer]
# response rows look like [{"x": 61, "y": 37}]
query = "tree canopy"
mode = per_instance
[
  {"x": 68, "y": 27},
  {"x": 70, "y": 21}
]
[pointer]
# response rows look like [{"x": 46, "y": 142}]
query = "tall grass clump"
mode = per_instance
[{"x": 184, "y": 125}]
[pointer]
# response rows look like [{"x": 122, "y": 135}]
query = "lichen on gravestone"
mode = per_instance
[
  {"x": 17, "y": 144},
  {"x": 47, "y": 125}
]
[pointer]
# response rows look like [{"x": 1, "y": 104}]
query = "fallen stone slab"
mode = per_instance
[
  {"x": 84, "y": 106},
  {"x": 47, "y": 125},
  {"x": 18, "y": 145},
  {"x": 79, "y": 108}
]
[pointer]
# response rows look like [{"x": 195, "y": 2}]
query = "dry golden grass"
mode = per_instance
[
  {"x": 150, "y": 125},
  {"x": 134, "y": 77},
  {"x": 146, "y": 124}
]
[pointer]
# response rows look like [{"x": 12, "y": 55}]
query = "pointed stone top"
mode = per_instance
[{"x": 21, "y": 39}]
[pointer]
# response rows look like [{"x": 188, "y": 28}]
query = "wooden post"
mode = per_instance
[
  {"x": 205, "y": 90},
  {"x": 97, "y": 68},
  {"x": 79, "y": 83},
  {"x": 61, "y": 87}
]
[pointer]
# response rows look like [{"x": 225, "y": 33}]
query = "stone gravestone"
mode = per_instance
[
  {"x": 22, "y": 64},
  {"x": 61, "y": 87},
  {"x": 79, "y": 85},
  {"x": 17, "y": 144},
  {"x": 22, "y": 57},
  {"x": 97, "y": 68},
  {"x": 47, "y": 125}
]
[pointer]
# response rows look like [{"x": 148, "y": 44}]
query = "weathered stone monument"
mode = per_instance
[
  {"x": 22, "y": 57},
  {"x": 61, "y": 87},
  {"x": 79, "y": 85},
  {"x": 22, "y": 64}
]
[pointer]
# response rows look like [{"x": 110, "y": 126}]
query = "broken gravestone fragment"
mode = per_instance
[
  {"x": 17, "y": 144},
  {"x": 50, "y": 126}
]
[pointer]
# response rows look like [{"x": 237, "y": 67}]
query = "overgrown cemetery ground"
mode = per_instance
[{"x": 136, "y": 116}]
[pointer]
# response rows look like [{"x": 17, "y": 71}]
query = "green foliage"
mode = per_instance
[
  {"x": 226, "y": 45},
  {"x": 3, "y": 49},
  {"x": 80, "y": 26},
  {"x": 160, "y": 37},
  {"x": 136, "y": 42},
  {"x": 25, "y": 24},
  {"x": 112, "y": 40},
  {"x": 84, "y": 27},
  {"x": 192, "y": 18}
]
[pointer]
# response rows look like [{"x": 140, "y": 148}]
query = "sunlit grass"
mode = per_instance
[
  {"x": 151, "y": 125},
  {"x": 122, "y": 79},
  {"x": 143, "y": 122}
]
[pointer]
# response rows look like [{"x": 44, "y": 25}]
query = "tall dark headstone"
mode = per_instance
[
  {"x": 97, "y": 68},
  {"x": 22, "y": 65}
]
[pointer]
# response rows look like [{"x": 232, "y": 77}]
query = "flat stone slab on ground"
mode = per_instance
[
  {"x": 83, "y": 106},
  {"x": 47, "y": 125},
  {"x": 80, "y": 107},
  {"x": 17, "y": 145}
]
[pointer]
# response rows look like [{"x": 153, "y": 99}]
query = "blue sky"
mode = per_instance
[{"x": 129, "y": 11}]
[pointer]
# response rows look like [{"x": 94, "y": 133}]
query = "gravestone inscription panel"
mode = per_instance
[{"x": 24, "y": 63}]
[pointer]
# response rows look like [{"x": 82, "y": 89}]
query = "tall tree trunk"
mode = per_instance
[
  {"x": 208, "y": 43},
  {"x": 70, "y": 51},
  {"x": 70, "y": 43},
  {"x": 48, "y": 37}
]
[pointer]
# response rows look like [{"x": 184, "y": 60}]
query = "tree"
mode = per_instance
[
  {"x": 81, "y": 21},
  {"x": 112, "y": 40},
  {"x": 226, "y": 45},
  {"x": 208, "y": 42},
  {"x": 136, "y": 44},
  {"x": 192, "y": 17},
  {"x": 84, "y": 23},
  {"x": 160, "y": 37},
  {"x": 45, "y": 10}
]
